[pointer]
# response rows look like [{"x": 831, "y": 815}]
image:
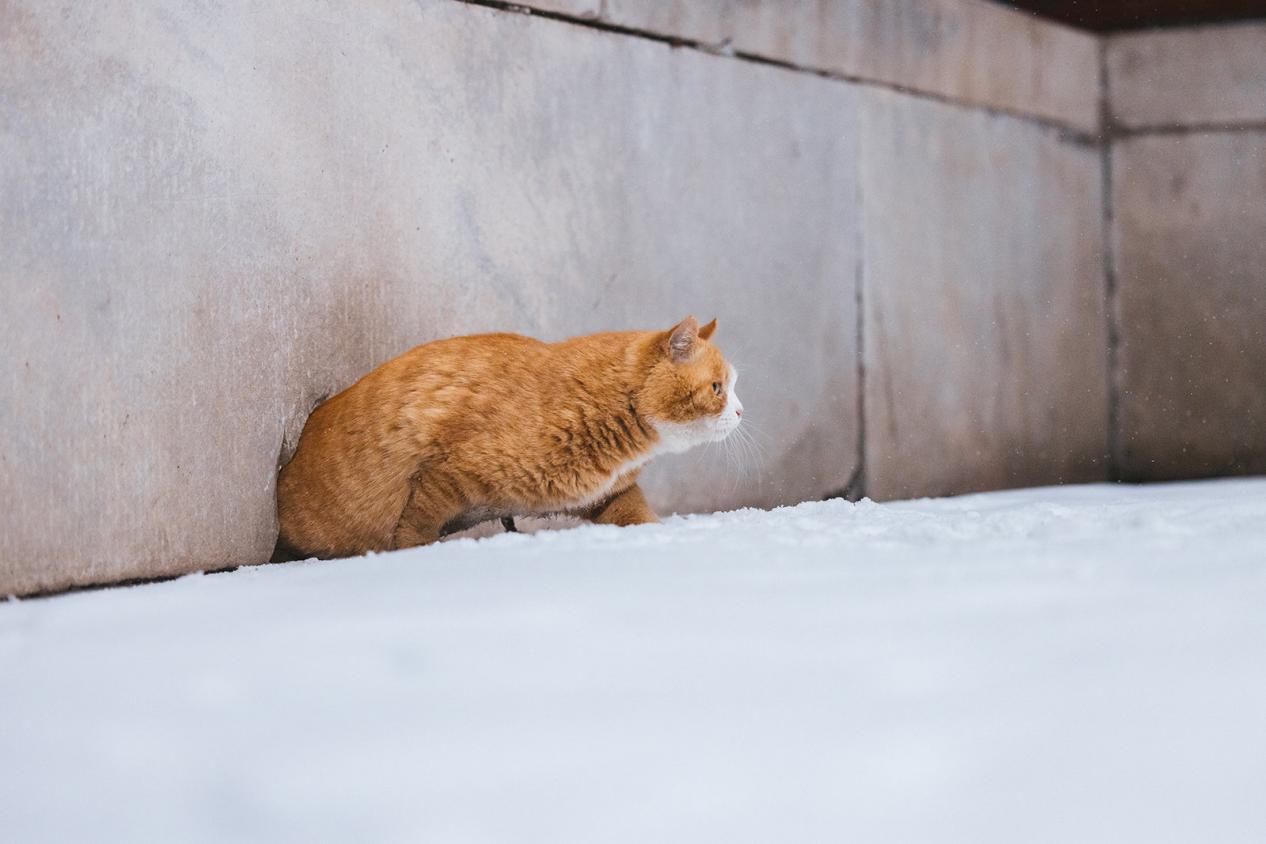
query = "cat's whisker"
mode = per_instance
[
  {"x": 739, "y": 444},
  {"x": 699, "y": 455},
  {"x": 759, "y": 446},
  {"x": 738, "y": 447},
  {"x": 752, "y": 428},
  {"x": 732, "y": 467},
  {"x": 727, "y": 446},
  {"x": 754, "y": 447},
  {"x": 750, "y": 458},
  {"x": 739, "y": 458},
  {"x": 754, "y": 454}
]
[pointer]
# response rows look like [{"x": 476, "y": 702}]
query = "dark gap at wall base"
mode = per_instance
[{"x": 113, "y": 584}]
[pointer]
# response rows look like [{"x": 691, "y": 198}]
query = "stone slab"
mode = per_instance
[
  {"x": 1200, "y": 76},
  {"x": 213, "y": 216},
  {"x": 977, "y": 52},
  {"x": 985, "y": 330},
  {"x": 1190, "y": 255}
]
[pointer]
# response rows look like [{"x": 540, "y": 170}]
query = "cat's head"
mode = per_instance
[{"x": 688, "y": 394}]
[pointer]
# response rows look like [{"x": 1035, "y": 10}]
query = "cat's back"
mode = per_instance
[
  {"x": 502, "y": 366},
  {"x": 449, "y": 368},
  {"x": 463, "y": 379},
  {"x": 472, "y": 352}
]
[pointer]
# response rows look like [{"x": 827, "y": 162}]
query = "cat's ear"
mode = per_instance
[
  {"x": 683, "y": 340},
  {"x": 705, "y": 333}
]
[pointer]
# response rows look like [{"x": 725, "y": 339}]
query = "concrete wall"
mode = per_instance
[
  {"x": 1188, "y": 174},
  {"x": 967, "y": 51},
  {"x": 211, "y": 217},
  {"x": 984, "y": 303}
]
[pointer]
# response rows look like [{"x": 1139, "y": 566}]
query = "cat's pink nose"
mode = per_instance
[{"x": 738, "y": 413}]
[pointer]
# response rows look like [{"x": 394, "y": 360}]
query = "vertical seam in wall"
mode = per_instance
[
  {"x": 859, "y": 303},
  {"x": 1107, "y": 127}
]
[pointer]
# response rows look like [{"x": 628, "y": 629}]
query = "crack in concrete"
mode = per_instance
[
  {"x": 1120, "y": 132},
  {"x": 1111, "y": 316},
  {"x": 1066, "y": 131},
  {"x": 855, "y": 489}
]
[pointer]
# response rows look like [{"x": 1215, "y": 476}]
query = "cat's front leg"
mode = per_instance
[{"x": 623, "y": 509}]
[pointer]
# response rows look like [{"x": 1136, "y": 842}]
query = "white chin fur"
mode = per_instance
[{"x": 676, "y": 437}]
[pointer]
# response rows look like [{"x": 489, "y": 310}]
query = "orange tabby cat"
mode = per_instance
[{"x": 469, "y": 429}]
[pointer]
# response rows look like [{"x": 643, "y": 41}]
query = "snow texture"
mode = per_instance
[{"x": 1076, "y": 664}]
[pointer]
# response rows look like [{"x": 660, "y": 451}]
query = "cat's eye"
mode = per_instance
[{"x": 716, "y": 388}]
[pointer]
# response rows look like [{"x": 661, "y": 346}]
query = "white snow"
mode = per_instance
[{"x": 1074, "y": 664}]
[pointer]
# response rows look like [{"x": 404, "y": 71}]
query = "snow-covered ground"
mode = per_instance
[{"x": 1073, "y": 664}]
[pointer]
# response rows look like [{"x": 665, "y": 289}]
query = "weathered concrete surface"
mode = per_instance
[
  {"x": 1190, "y": 256},
  {"x": 211, "y": 217},
  {"x": 968, "y": 50},
  {"x": 985, "y": 332},
  {"x": 1189, "y": 232},
  {"x": 1183, "y": 77}
]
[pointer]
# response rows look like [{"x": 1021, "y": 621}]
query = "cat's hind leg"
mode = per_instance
[{"x": 422, "y": 521}]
